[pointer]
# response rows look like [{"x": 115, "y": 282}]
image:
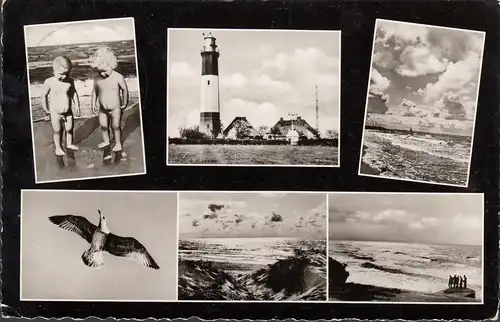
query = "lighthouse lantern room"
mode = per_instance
[{"x": 210, "y": 101}]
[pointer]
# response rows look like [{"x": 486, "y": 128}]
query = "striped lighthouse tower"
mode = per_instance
[{"x": 210, "y": 103}]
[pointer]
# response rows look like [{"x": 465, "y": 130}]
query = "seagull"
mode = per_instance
[{"x": 101, "y": 240}]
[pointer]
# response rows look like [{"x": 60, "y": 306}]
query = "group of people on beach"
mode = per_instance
[
  {"x": 109, "y": 98},
  {"x": 457, "y": 281}
]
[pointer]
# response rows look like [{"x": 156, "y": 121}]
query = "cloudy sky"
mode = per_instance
[
  {"x": 52, "y": 267},
  {"x": 263, "y": 75},
  {"x": 418, "y": 218},
  {"x": 432, "y": 70},
  {"x": 80, "y": 32},
  {"x": 252, "y": 215}
]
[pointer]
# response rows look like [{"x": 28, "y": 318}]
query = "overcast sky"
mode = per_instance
[
  {"x": 67, "y": 33},
  {"x": 263, "y": 75},
  {"x": 419, "y": 218},
  {"x": 251, "y": 215},
  {"x": 433, "y": 70},
  {"x": 52, "y": 267}
]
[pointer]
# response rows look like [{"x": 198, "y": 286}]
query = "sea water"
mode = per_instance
[{"x": 409, "y": 266}]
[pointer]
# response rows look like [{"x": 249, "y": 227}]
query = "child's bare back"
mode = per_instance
[{"x": 108, "y": 90}]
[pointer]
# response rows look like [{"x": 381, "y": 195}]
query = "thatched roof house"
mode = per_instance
[
  {"x": 283, "y": 127},
  {"x": 240, "y": 128}
]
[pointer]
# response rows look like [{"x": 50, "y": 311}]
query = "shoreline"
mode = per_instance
[
  {"x": 365, "y": 167},
  {"x": 437, "y": 160},
  {"x": 339, "y": 289},
  {"x": 366, "y": 292}
]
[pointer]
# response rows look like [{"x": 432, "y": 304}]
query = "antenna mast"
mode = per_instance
[{"x": 317, "y": 110}]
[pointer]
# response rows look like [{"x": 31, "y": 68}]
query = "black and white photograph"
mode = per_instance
[
  {"x": 84, "y": 100},
  {"x": 253, "y": 97},
  {"x": 252, "y": 246},
  {"x": 405, "y": 247},
  {"x": 421, "y": 103},
  {"x": 98, "y": 245}
]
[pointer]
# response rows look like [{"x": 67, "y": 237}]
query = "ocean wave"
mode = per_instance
[{"x": 423, "y": 268}]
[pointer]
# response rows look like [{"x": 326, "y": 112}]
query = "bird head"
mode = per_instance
[{"x": 102, "y": 222}]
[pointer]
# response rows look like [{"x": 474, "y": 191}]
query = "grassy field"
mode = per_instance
[{"x": 252, "y": 154}]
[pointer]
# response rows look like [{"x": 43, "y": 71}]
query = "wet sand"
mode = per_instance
[{"x": 89, "y": 159}]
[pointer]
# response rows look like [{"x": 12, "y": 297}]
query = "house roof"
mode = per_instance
[
  {"x": 300, "y": 125},
  {"x": 239, "y": 120}
]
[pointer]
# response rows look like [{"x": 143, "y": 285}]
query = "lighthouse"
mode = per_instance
[{"x": 210, "y": 102}]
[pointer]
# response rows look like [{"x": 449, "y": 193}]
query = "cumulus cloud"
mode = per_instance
[
  {"x": 277, "y": 77},
  {"x": 399, "y": 35},
  {"x": 436, "y": 69},
  {"x": 429, "y": 219},
  {"x": 417, "y": 61},
  {"x": 458, "y": 76},
  {"x": 378, "y": 83},
  {"x": 452, "y": 103},
  {"x": 408, "y": 103},
  {"x": 415, "y": 50},
  {"x": 253, "y": 111},
  {"x": 235, "y": 80},
  {"x": 202, "y": 218},
  {"x": 384, "y": 59},
  {"x": 181, "y": 70}
]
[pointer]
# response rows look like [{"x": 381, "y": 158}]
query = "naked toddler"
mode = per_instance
[
  {"x": 109, "y": 95},
  {"x": 58, "y": 95}
]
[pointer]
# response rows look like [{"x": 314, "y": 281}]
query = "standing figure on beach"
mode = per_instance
[
  {"x": 450, "y": 282},
  {"x": 465, "y": 281},
  {"x": 58, "y": 96},
  {"x": 109, "y": 96},
  {"x": 461, "y": 282},
  {"x": 455, "y": 281}
]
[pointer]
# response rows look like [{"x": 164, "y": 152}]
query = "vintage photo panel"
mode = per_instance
[
  {"x": 98, "y": 245},
  {"x": 406, "y": 247},
  {"x": 421, "y": 103},
  {"x": 252, "y": 246},
  {"x": 84, "y": 100},
  {"x": 253, "y": 97}
]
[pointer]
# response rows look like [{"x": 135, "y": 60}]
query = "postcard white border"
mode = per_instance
[
  {"x": 25, "y": 27},
  {"x": 76, "y": 192},
  {"x": 327, "y": 193},
  {"x": 475, "y": 113},
  {"x": 339, "y": 107}
]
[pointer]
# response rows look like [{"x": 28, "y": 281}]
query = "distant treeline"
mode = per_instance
[{"x": 303, "y": 142}]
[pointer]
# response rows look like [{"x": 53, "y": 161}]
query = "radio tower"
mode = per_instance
[{"x": 317, "y": 110}]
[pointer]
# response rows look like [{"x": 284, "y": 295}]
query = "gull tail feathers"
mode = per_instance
[{"x": 93, "y": 259}]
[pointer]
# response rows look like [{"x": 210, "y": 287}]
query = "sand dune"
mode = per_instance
[{"x": 298, "y": 278}]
